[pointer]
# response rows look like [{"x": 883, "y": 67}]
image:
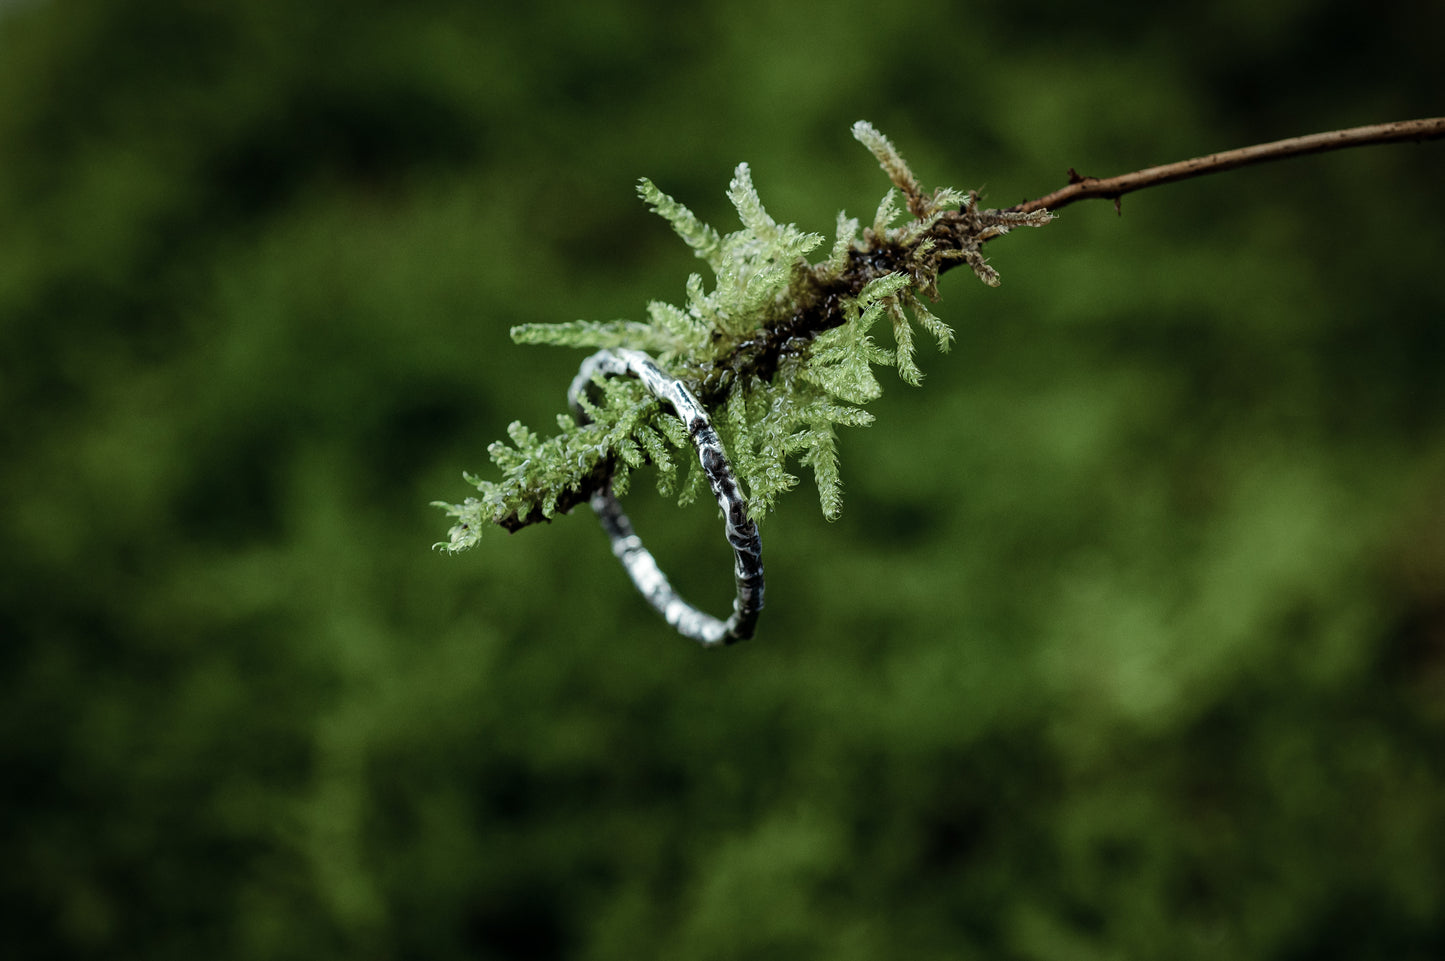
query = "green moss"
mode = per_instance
[{"x": 780, "y": 350}]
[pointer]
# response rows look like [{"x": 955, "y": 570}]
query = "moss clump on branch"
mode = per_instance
[{"x": 781, "y": 351}]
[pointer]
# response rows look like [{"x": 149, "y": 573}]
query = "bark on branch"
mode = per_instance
[{"x": 1112, "y": 188}]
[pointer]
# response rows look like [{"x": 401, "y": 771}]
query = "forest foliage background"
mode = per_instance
[{"x": 1130, "y": 642}]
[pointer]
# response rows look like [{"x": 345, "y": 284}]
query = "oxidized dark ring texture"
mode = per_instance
[{"x": 742, "y": 533}]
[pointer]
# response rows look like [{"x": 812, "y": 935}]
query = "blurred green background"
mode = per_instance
[{"x": 1131, "y": 641}]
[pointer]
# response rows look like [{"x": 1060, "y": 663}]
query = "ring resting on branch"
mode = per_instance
[
  {"x": 757, "y": 374},
  {"x": 741, "y": 531}
]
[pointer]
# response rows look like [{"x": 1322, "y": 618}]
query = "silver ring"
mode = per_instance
[{"x": 742, "y": 532}]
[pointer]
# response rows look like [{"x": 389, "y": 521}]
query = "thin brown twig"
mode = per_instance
[{"x": 1112, "y": 188}]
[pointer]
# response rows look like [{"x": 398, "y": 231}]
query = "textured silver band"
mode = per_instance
[{"x": 742, "y": 533}]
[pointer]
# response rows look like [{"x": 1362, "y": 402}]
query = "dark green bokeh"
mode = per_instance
[{"x": 1131, "y": 642}]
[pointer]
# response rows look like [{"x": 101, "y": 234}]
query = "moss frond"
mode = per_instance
[
  {"x": 892, "y": 163},
  {"x": 595, "y": 334},
  {"x": 903, "y": 336},
  {"x": 820, "y": 452},
  {"x": 844, "y": 241},
  {"x": 942, "y": 333},
  {"x": 888, "y": 212},
  {"x": 756, "y": 222},
  {"x": 704, "y": 240},
  {"x": 843, "y": 361}
]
